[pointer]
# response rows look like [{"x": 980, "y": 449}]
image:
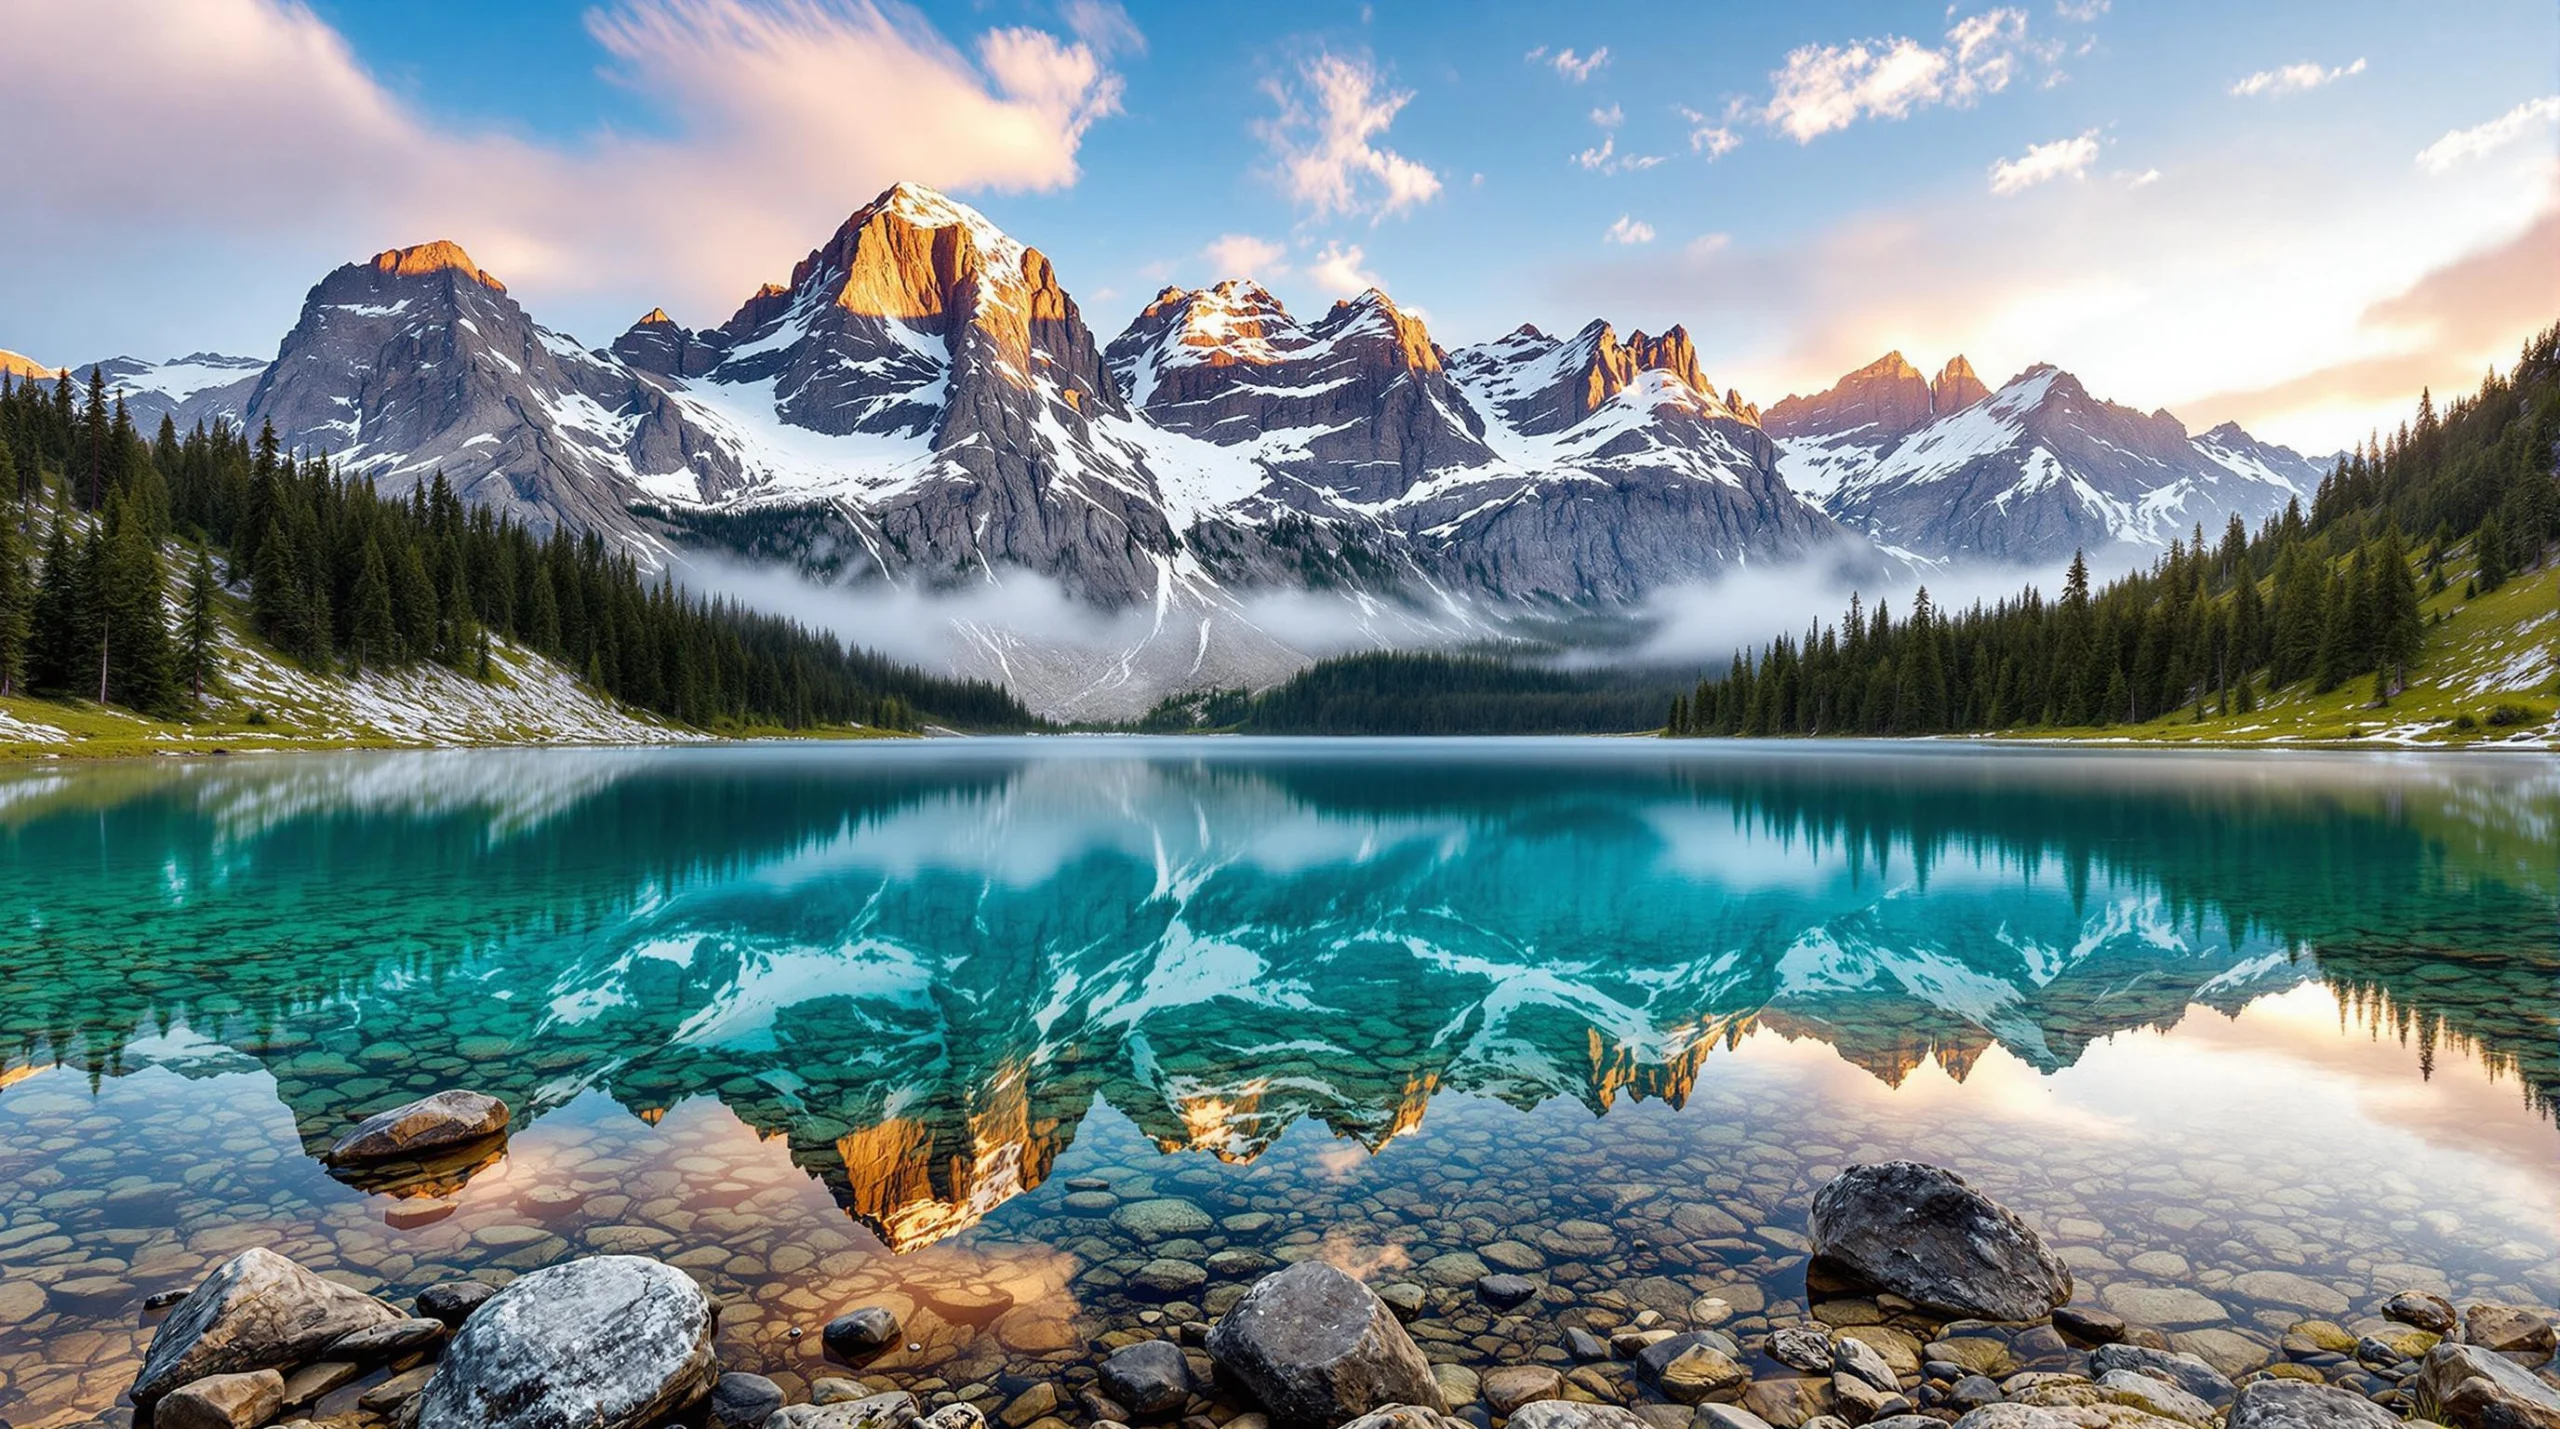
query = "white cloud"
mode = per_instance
[
  {"x": 1105, "y": 26},
  {"x": 1609, "y": 118},
  {"x": 1322, "y": 137},
  {"x": 2085, "y": 11},
  {"x": 758, "y": 157},
  {"x": 1241, "y": 255},
  {"x": 1337, "y": 271},
  {"x": 1606, "y": 159},
  {"x": 1575, "y": 68},
  {"x": 2043, "y": 163},
  {"x": 2293, "y": 79},
  {"x": 1826, "y": 87},
  {"x": 2460, "y": 145},
  {"x": 1708, "y": 137},
  {"x": 2142, "y": 180},
  {"x": 1629, "y": 230}
]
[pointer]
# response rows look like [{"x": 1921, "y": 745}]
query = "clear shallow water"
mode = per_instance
[{"x": 2249, "y": 1036}]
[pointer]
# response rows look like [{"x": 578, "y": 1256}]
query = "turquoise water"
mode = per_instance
[{"x": 921, "y": 1023}]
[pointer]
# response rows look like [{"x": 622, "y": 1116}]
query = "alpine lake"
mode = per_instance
[{"x": 1049, "y": 1045}]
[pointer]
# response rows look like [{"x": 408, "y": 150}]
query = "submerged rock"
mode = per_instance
[
  {"x": 256, "y": 1311},
  {"x": 2478, "y": 1388},
  {"x": 2422, "y": 1308},
  {"x": 1149, "y": 1377},
  {"x": 608, "y": 1342},
  {"x": 1316, "y": 1348},
  {"x": 2295, "y": 1404},
  {"x": 429, "y": 1126},
  {"x": 865, "y": 1330},
  {"x": 1922, "y": 1233}
]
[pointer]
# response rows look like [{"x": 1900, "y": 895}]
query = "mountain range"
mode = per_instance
[{"x": 923, "y": 403}]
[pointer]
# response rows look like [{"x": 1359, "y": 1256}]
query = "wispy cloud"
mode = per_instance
[
  {"x": 1573, "y": 67},
  {"x": 1609, "y": 118},
  {"x": 2461, "y": 145},
  {"x": 758, "y": 150},
  {"x": 2043, "y": 163},
  {"x": 1323, "y": 141},
  {"x": 1708, "y": 137},
  {"x": 1822, "y": 88},
  {"x": 1604, "y": 158},
  {"x": 2293, "y": 79},
  {"x": 1629, "y": 230}
]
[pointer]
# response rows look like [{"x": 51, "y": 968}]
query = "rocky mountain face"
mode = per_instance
[
  {"x": 923, "y": 403},
  {"x": 417, "y": 362},
  {"x": 2025, "y": 475}
]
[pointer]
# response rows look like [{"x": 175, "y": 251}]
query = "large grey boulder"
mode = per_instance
[
  {"x": 1318, "y": 1349},
  {"x": 1922, "y": 1233},
  {"x": 426, "y": 1127},
  {"x": 2479, "y": 1388},
  {"x": 2188, "y": 1372},
  {"x": 256, "y": 1311},
  {"x": 608, "y": 1342},
  {"x": 2298, "y": 1404}
]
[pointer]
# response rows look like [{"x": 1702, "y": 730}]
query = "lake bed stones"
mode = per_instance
[
  {"x": 430, "y": 1126},
  {"x": 256, "y": 1311},
  {"x": 607, "y": 1342},
  {"x": 893, "y": 1410},
  {"x": 1318, "y": 1349},
  {"x": 1921, "y": 1232}
]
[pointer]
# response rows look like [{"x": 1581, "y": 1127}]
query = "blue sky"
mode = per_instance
[{"x": 2293, "y": 214}]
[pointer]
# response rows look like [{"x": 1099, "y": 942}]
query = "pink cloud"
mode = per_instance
[{"x": 253, "y": 124}]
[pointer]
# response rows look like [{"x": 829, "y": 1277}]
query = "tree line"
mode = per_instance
[
  {"x": 2321, "y": 598},
  {"x": 111, "y": 546}
]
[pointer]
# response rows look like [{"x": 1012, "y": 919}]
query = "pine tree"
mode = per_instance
[
  {"x": 17, "y": 603},
  {"x": 373, "y": 639},
  {"x": 55, "y": 644},
  {"x": 141, "y": 668},
  {"x": 196, "y": 642}
]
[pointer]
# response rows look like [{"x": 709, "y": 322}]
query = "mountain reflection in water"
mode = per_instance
[{"x": 923, "y": 964}]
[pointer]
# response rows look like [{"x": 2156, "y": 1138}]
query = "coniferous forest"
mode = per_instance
[
  {"x": 2322, "y": 599},
  {"x": 118, "y": 554}
]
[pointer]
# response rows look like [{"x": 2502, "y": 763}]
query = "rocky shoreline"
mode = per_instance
[{"x": 1929, "y": 1305}]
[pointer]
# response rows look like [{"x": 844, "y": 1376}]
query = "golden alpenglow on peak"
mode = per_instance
[{"x": 441, "y": 256}]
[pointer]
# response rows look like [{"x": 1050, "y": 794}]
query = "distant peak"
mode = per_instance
[
  {"x": 21, "y": 366},
  {"x": 655, "y": 317},
  {"x": 1892, "y": 364},
  {"x": 427, "y": 259}
]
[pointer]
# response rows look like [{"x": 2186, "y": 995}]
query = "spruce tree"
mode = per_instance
[
  {"x": 141, "y": 667},
  {"x": 373, "y": 638},
  {"x": 17, "y": 603},
  {"x": 198, "y": 633}
]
